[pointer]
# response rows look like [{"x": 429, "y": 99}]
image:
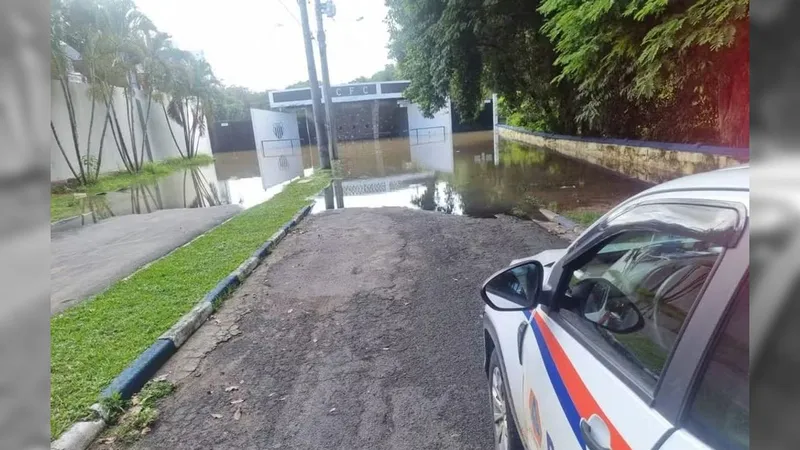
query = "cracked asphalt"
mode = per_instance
[{"x": 362, "y": 330}]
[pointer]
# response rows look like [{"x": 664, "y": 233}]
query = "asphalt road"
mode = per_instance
[
  {"x": 362, "y": 330},
  {"x": 88, "y": 260}
]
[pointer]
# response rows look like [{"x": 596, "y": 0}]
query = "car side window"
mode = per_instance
[
  {"x": 636, "y": 292},
  {"x": 719, "y": 413}
]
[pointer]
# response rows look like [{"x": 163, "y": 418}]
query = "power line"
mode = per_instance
[{"x": 290, "y": 13}]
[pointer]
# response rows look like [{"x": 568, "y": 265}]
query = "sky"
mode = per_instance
[{"x": 259, "y": 43}]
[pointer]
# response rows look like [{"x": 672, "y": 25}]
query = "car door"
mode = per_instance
[
  {"x": 586, "y": 386},
  {"x": 717, "y": 414}
]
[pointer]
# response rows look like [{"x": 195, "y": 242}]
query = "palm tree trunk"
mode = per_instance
[
  {"x": 123, "y": 149},
  {"x": 60, "y": 147},
  {"x": 172, "y": 133},
  {"x": 116, "y": 143},
  {"x": 89, "y": 139},
  {"x": 146, "y": 122},
  {"x": 197, "y": 123},
  {"x": 191, "y": 113},
  {"x": 127, "y": 92},
  {"x": 183, "y": 113},
  {"x": 73, "y": 125},
  {"x": 100, "y": 149}
]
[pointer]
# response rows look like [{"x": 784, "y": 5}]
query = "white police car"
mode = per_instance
[{"x": 636, "y": 335}]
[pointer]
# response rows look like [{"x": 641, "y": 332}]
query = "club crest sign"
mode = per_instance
[
  {"x": 277, "y": 129},
  {"x": 536, "y": 419}
]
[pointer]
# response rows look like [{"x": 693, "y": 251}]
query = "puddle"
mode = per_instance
[
  {"x": 471, "y": 174},
  {"x": 462, "y": 173}
]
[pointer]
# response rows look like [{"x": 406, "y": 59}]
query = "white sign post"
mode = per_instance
[
  {"x": 278, "y": 144},
  {"x": 431, "y": 139}
]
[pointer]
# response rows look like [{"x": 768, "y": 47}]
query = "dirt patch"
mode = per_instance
[{"x": 362, "y": 330}]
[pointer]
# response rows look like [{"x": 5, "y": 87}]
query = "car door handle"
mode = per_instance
[
  {"x": 521, "y": 337},
  {"x": 595, "y": 433}
]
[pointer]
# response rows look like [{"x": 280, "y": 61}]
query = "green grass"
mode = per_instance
[
  {"x": 94, "y": 341},
  {"x": 63, "y": 206},
  {"x": 63, "y": 203},
  {"x": 583, "y": 218}
]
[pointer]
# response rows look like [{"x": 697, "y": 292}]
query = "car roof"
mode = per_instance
[
  {"x": 728, "y": 184},
  {"x": 735, "y": 178}
]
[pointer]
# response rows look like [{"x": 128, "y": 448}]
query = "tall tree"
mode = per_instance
[
  {"x": 651, "y": 69},
  {"x": 192, "y": 86},
  {"x": 690, "y": 60},
  {"x": 234, "y": 102},
  {"x": 70, "y": 23}
]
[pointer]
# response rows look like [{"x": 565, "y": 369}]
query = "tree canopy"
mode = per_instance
[
  {"x": 648, "y": 69},
  {"x": 388, "y": 73},
  {"x": 299, "y": 84},
  {"x": 234, "y": 102}
]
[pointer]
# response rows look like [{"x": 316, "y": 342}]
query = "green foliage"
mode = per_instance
[
  {"x": 668, "y": 61},
  {"x": 155, "y": 390},
  {"x": 234, "y": 102},
  {"x": 115, "y": 406},
  {"x": 390, "y": 72},
  {"x": 125, "y": 319},
  {"x": 299, "y": 84},
  {"x": 650, "y": 69},
  {"x": 143, "y": 414},
  {"x": 584, "y": 218}
]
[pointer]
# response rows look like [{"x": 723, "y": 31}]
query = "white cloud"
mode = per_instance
[{"x": 259, "y": 44}]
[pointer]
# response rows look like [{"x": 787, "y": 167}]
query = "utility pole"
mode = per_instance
[
  {"x": 322, "y": 138},
  {"x": 330, "y": 10}
]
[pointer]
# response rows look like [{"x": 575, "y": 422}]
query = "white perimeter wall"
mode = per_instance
[{"x": 161, "y": 143}]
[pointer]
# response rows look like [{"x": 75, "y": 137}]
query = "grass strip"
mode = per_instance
[
  {"x": 94, "y": 341},
  {"x": 583, "y": 218},
  {"x": 63, "y": 202}
]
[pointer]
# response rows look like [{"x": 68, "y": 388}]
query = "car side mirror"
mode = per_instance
[
  {"x": 605, "y": 305},
  {"x": 516, "y": 288}
]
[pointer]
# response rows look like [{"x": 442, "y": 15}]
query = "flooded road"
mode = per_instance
[
  {"x": 462, "y": 173},
  {"x": 470, "y": 174}
]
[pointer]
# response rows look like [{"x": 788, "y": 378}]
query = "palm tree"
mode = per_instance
[
  {"x": 191, "y": 87},
  {"x": 69, "y": 31},
  {"x": 125, "y": 28},
  {"x": 154, "y": 72}
]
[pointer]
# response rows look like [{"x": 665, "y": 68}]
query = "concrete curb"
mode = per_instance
[
  {"x": 559, "y": 225},
  {"x": 81, "y": 434},
  {"x": 561, "y": 220}
]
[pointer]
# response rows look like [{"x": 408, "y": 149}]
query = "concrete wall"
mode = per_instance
[
  {"x": 417, "y": 121},
  {"x": 644, "y": 160},
  {"x": 161, "y": 143}
]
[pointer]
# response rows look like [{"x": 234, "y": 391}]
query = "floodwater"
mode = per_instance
[
  {"x": 462, "y": 173},
  {"x": 470, "y": 174}
]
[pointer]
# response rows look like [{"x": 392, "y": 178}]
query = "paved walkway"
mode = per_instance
[
  {"x": 87, "y": 260},
  {"x": 362, "y": 330}
]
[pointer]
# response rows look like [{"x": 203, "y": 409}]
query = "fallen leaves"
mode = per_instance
[
  {"x": 236, "y": 402},
  {"x": 231, "y": 388}
]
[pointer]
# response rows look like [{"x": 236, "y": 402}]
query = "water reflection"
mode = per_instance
[
  {"x": 472, "y": 174},
  {"x": 479, "y": 175}
]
